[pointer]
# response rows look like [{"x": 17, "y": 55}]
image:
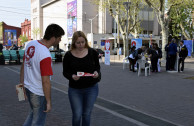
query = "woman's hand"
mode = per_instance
[
  {"x": 95, "y": 74},
  {"x": 75, "y": 77}
]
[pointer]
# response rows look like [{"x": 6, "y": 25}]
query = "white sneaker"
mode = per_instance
[{"x": 181, "y": 71}]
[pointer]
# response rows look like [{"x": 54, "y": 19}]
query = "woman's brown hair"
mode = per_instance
[{"x": 75, "y": 37}]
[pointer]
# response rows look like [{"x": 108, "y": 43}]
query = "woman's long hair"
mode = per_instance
[{"x": 75, "y": 37}]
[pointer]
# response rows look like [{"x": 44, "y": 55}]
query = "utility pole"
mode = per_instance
[
  {"x": 92, "y": 21},
  {"x": 92, "y": 41}
]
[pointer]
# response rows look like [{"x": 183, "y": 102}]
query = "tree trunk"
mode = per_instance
[
  {"x": 124, "y": 45},
  {"x": 164, "y": 40},
  {"x": 187, "y": 36}
]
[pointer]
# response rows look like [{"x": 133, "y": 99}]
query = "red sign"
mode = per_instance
[
  {"x": 133, "y": 43},
  {"x": 107, "y": 45}
]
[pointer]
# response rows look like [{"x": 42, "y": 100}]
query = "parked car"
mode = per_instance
[{"x": 100, "y": 52}]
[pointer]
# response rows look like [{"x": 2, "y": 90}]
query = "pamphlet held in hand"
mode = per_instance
[
  {"x": 84, "y": 74},
  {"x": 20, "y": 92}
]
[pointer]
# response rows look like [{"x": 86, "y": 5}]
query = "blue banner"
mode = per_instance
[
  {"x": 188, "y": 44},
  {"x": 136, "y": 42},
  {"x": 102, "y": 43}
]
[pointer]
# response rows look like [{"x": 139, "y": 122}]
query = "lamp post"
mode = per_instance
[
  {"x": 91, "y": 21},
  {"x": 92, "y": 43},
  {"x": 127, "y": 7}
]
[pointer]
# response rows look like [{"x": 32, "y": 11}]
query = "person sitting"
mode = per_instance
[
  {"x": 139, "y": 53},
  {"x": 14, "y": 47},
  {"x": 154, "y": 58}
]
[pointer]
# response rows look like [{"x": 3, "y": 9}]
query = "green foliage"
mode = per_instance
[
  {"x": 181, "y": 19},
  {"x": 23, "y": 39},
  {"x": 35, "y": 32}
]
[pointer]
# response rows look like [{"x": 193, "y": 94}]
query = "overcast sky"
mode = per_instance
[{"x": 14, "y": 12}]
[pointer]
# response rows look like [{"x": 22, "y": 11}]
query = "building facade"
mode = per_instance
[
  {"x": 75, "y": 15},
  {"x": 26, "y": 29},
  {"x": 9, "y": 34}
]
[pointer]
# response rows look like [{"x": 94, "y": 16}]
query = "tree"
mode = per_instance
[
  {"x": 35, "y": 32},
  {"x": 119, "y": 13},
  {"x": 23, "y": 39},
  {"x": 163, "y": 9},
  {"x": 181, "y": 19}
]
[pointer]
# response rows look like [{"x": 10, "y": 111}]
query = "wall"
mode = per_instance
[
  {"x": 55, "y": 13},
  {"x": 89, "y": 12},
  {"x": 26, "y": 27}
]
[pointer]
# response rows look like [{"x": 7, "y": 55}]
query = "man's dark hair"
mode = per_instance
[
  {"x": 182, "y": 41},
  {"x": 53, "y": 30}
]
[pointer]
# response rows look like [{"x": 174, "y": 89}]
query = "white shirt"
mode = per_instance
[{"x": 37, "y": 63}]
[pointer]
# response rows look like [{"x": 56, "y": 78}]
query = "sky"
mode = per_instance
[{"x": 14, "y": 12}]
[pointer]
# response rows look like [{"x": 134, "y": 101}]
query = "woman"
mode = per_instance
[
  {"x": 83, "y": 90},
  {"x": 159, "y": 52},
  {"x": 154, "y": 58},
  {"x": 132, "y": 59}
]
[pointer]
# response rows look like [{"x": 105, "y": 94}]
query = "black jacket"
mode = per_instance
[{"x": 183, "y": 52}]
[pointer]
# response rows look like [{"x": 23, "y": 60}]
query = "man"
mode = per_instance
[
  {"x": 167, "y": 56},
  {"x": 172, "y": 51},
  {"x": 183, "y": 52},
  {"x": 35, "y": 74}
]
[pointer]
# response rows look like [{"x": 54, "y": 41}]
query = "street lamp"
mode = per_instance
[
  {"x": 92, "y": 43},
  {"x": 127, "y": 7},
  {"x": 92, "y": 20}
]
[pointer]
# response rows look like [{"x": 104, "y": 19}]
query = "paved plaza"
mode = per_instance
[{"x": 162, "y": 99}]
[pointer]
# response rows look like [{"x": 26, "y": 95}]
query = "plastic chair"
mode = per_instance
[
  {"x": 13, "y": 55},
  {"x": 142, "y": 65},
  {"x": 6, "y": 55},
  {"x": 21, "y": 54},
  {"x": 125, "y": 62}
]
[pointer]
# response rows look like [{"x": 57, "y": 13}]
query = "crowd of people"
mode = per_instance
[{"x": 154, "y": 53}]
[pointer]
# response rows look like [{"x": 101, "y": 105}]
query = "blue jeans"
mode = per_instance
[
  {"x": 36, "y": 116},
  {"x": 82, "y": 102}
]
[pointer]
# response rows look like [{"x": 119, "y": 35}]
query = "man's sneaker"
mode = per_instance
[{"x": 181, "y": 71}]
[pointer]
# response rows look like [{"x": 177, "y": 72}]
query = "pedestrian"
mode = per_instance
[
  {"x": 167, "y": 56},
  {"x": 183, "y": 52},
  {"x": 1, "y": 45},
  {"x": 159, "y": 52},
  {"x": 83, "y": 90},
  {"x": 35, "y": 74},
  {"x": 172, "y": 54},
  {"x": 131, "y": 58}
]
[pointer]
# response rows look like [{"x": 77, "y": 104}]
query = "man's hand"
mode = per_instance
[
  {"x": 48, "y": 107},
  {"x": 75, "y": 77},
  {"x": 95, "y": 74}
]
